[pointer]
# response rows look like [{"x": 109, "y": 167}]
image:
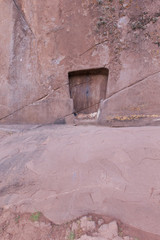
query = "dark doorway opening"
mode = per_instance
[{"x": 87, "y": 88}]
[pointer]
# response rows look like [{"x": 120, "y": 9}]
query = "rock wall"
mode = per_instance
[{"x": 46, "y": 40}]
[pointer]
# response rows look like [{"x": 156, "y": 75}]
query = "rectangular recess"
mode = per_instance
[{"x": 87, "y": 88}]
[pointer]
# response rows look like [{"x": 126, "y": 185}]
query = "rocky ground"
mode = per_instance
[
  {"x": 14, "y": 226},
  {"x": 55, "y": 179}
]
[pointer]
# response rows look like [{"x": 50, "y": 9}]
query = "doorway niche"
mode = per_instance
[{"x": 87, "y": 88}]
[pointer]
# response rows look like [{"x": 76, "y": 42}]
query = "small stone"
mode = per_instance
[
  {"x": 44, "y": 225},
  {"x": 100, "y": 222},
  {"x": 117, "y": 238},
  {"x": 87, "y": 225},
  {"x": 126, "y": 238},
  {"x": 74, "y": 226},
  {"x": 86, "y": 237},
  {"x": 109, "y": 230}
]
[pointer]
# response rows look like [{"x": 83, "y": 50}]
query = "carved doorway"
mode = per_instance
[{"x": 87, "y": 88}]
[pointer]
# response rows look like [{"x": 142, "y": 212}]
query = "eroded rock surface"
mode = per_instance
[
  {"x": 46, "y": 40},
  {"x": 28, "y": 226},
  {"x": 67, "y": 172}
]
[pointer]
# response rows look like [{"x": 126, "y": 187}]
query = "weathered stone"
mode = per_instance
[
  {"x": 36, "y": 175},
  {"x": 75, "y": 226},
  {"x": 127, "y": 238},
  {"x": 85, "y": 237},
  {"x": 87, "y": 225},
  {"x": 118, "y": 238},
  {"x": 137, "y": 105},
  {"x": 109, "y": 230},
  {"x": 45, "y": 41},
  {"x": 100, "y": 222}
]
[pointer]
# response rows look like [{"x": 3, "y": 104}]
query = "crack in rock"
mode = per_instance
[
  {"x": 93, "y": 47},
  {"x": 23, "y": 16},
  {"x": 132, "y": 84}
]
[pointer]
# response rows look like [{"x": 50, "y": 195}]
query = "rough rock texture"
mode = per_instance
[
  {"x": 47, "y": 39},
  {"x": 34, "y": 226},
  {"x": 67, "y": 172}
]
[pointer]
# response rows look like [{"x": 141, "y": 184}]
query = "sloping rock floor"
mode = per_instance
[{"x": 66, "y": 172}]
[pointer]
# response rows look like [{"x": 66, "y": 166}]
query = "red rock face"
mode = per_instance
[{"x": 41, "y": 42}]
